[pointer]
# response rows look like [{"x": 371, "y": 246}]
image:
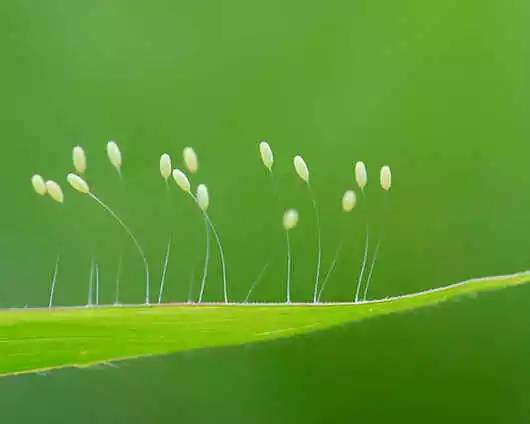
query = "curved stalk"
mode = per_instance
[
  {"x": 133, "y": 238},
  {"x": 219, "y": 246},
  {"x": 206, "y": 260},
  {"x": 221, "y": 253}
]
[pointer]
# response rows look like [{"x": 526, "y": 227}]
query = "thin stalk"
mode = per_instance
[
  {"x": 365, "y": 258},
  {"x": 166, "y": 258},
  {"x": 57, "y": 260},
  {"x": 54, "y": 281},
  {"x": 164, "y": 270},
  {"x": 97, "y": 283},
  {"x": 206, "y": 260},
  {"x": 219, "y": 246},
  {"x": 278, "y": 210},
  {"x": 376, "y": 252},
  {"x": 120, "y": 260},
  {"x": 319, "y": 245},
  {"x": 289, "y": 266},
  {"x": 118, "y": 277},
  {"x": 363, "y": 266},
  {"x": 330, "y": 271},
  {"x": 190, "y": 288},
  {"x": 255, "y": 283},
  {"x": 221, "y": 253},
  {"x": 133, "y": 238},
  {"x": 90, "y": 282}
]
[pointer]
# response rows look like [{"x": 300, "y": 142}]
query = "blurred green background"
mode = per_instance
[{"x": 438, "y": 90}]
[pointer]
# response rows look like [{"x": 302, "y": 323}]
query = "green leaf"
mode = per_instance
[{"x": 33, "y": 340}]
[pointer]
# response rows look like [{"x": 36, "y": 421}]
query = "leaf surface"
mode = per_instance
[{"x": 36, "y": 340}]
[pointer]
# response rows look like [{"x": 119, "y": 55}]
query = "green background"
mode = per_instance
[{"x": 438, "y": 90}]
